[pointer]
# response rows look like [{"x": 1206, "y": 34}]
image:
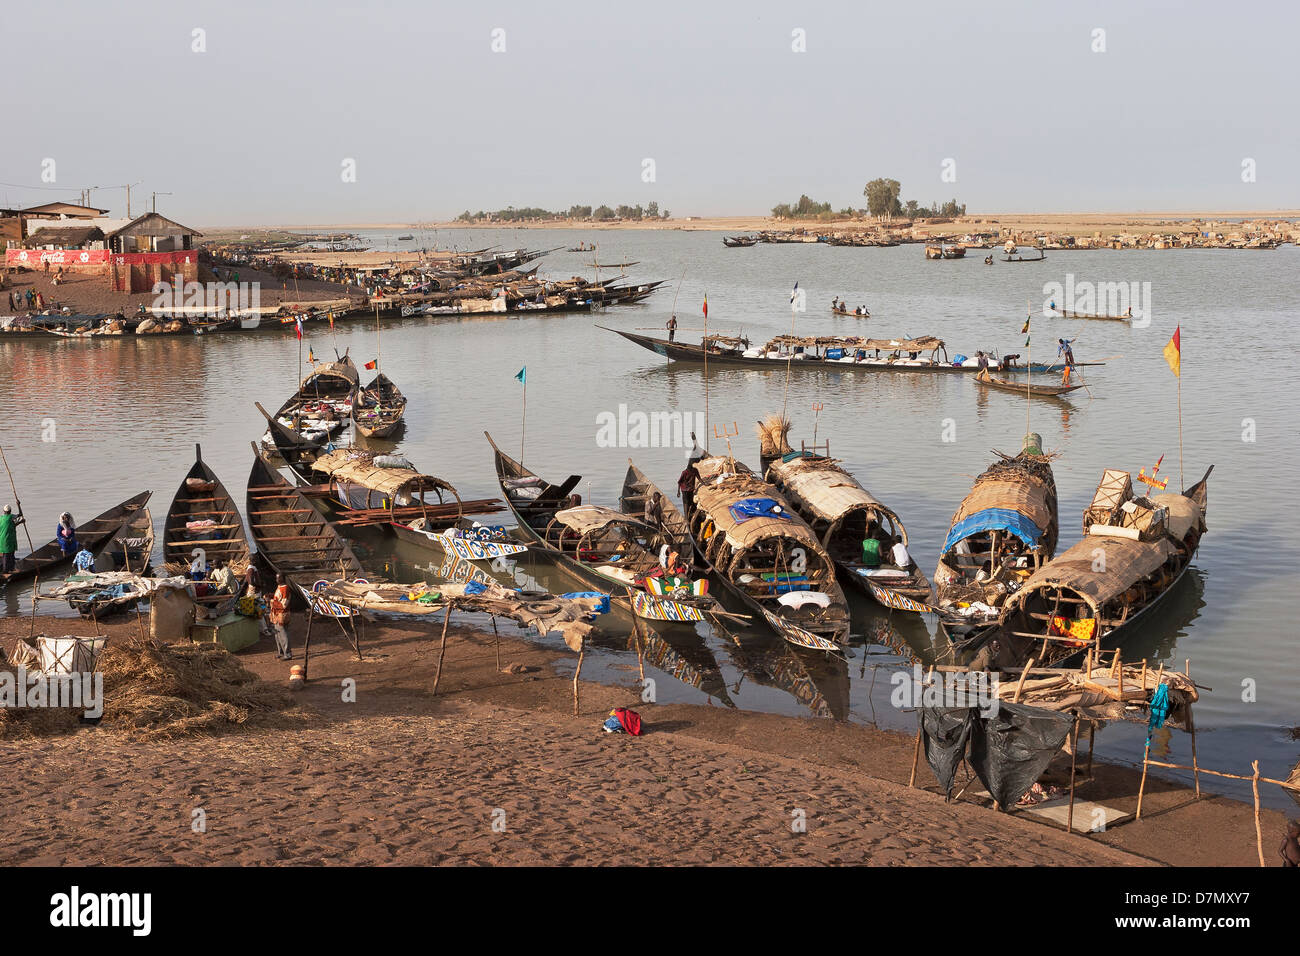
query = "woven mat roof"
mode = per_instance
[
  {"x": 587, "y": 518},
  {"x": 1126, "y": 562},
  {"x": 716, "y": 500},
  {"x": 824, "y": 488},
  {"x": 345, "y": 464}
]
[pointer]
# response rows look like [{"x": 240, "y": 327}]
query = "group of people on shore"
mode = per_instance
[
  {"x": 271, "y": 609},
  {"x": 28, "y": 301}
]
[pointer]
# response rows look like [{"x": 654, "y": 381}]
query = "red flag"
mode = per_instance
[
  {"x": 706, "y": 305},
  {"x": 371, "y": 364},
  {"x": 297, "y": 324}
]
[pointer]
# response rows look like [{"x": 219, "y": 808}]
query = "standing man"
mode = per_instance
[
  {"x": 672, "y": 327},
  {"x": 280, "y": 618},
  {"x": 1064, "y": 348},
  {"x": 9, "y": 523}
]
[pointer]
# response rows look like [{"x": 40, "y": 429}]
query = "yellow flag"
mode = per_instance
[{"x": 1174, "y": 352}]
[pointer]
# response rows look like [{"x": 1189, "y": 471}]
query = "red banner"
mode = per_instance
[{"x": 35, "y": 258}]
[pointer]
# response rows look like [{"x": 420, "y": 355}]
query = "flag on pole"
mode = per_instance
[
  {"x": 331, "y": 321},
  {"x": 311, "y": 356},
  {"x": 706, "y": 305},
  {"x": 297, "y": 325},
  {"x": 794, "y": 294},
  {"x": 1174, "y": 352},
  {"x": 372, "y": 364},
  {"x": 1024, "y": 329},
  {"x": 522, "y": 376}
]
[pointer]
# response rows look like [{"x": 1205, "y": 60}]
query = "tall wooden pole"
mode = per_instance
[
  {"x": 1179, "y": 376},
  {"x": 705, "y": 342},
  {"x": 523, "y": 424}
]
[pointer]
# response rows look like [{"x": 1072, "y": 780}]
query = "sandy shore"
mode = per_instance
[
  {"x": 91, "y": 295},
  {"x": 399, "y": 776}
]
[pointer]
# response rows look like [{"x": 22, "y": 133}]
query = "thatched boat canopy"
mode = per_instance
[
  {"x": 346, "y": 467},
  {"x": 1125, "y": 563},
  {"x": 1015, "y": 495},
  {"x": 820, "y": 486},
  {"x": 332, "y": 374},
  {"x": 716, "y": 499},
  {"x": 585, "y": 519}
]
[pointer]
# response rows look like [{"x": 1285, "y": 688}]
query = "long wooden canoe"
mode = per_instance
[
  {"x": 131, "y": 546},
  {"x": 1040, "y": 391},
  {"x": 90, "y": 536},
  {"x": 292, "y": 536},
  {"x": 203, "y": 498},
  {"x": 687, "y": 352},
  {"x": 1068, "y": 606},
  {"x": 379, "y": 407}
]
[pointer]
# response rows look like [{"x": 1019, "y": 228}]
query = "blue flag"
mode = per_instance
[{"x": 522, "y": 375}]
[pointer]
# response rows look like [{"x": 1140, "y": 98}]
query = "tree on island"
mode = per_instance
[{"x": 882, "y": 198}]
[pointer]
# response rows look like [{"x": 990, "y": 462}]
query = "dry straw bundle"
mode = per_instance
[
  {"x": 773, "y": 432},
  {"x": 168, "y": 690}
]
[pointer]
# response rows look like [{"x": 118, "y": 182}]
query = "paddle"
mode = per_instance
[{"x": 14, "y": 489}]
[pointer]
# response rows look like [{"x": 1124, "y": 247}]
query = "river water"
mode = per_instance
[{"x": 91, "y": 423}]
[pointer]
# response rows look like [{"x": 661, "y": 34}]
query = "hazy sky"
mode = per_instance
[{"x": 255, "y": 129}]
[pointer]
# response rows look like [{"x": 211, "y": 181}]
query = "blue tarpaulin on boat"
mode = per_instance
[
  {"x": 994, "y": 519},
  {"x": 748, "y": 508}
]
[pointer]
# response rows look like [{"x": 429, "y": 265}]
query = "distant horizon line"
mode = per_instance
[{"x": 1116, "y": 215}]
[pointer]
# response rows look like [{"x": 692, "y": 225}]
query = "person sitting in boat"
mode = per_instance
[
  {"x": 199, "y": 568},
  {"x": 899, "y": 553},
  {"x": 871, "y": 551},
  {"x": 988, "y": 260},
  {"x": 223, "y": 579},
  {"x": 66, "y": 535}
]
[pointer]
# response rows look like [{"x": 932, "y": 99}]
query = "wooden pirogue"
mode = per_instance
[
  {"x": 1134, "y": 551},
  {"x": 90, "y": 536},
  {"x": 1027, "y": 388},
  {"x": 379, "y": 407},
  {"x": 764, "y": 553},
  {"x": 131, "y": 547},
  {"x": 203, "y": 515},
  {"x": 845, "y": 516},
  {"x": 611, "y": 551},
  {"x": 1003, "y": 531},
  {"x": 293, "y": 537}
]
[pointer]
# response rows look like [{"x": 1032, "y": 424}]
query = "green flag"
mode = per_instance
[{"x": 522, "y": 376}]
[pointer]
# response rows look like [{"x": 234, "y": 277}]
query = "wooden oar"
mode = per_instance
[{"x": 14, "y": 489}]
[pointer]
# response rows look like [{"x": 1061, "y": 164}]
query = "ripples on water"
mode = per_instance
[{"x": 128, "y": 414}]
